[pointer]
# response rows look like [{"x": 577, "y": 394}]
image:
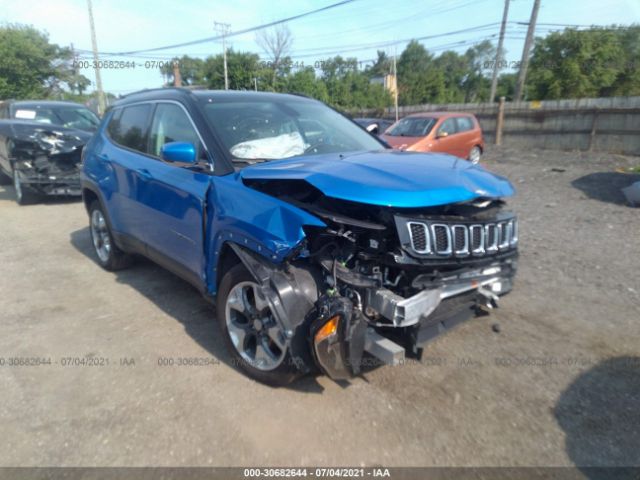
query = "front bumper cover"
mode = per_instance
[
  {"x": 410, "y": 322},
  {"x": 64, "y": 183}
]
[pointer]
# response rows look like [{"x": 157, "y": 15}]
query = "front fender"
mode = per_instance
[{"x": 258, "y": 222}]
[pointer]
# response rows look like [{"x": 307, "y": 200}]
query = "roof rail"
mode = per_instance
[{"x": 146, "y": 90}]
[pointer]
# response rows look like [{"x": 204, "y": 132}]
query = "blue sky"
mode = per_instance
[{"x": 350, "y": 30}]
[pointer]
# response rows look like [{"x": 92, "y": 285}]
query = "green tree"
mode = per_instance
[
  {"x": 627, "y": 82},
  {"x": 305, "y": 82},
  {"x": 192, "y": 71},
  {"x": 476, "y": 86},
  {"x": 419, "y": 81},
  {"x": 382, "y": 66},
  {"x": 578, "y": 63},
  {"x": 32, "y": 67},
  {"x": 507, "y": 86},
  {"x": 454, "y": 69},
  {"x": 242, "y": 68}
]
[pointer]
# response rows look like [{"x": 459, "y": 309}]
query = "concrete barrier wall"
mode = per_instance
[{"x": 598, "y": 124}]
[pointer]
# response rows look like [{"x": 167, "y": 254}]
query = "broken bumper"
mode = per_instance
[
  {"x": 404, "y": 323},
  {"x": 67, "y": 183}
]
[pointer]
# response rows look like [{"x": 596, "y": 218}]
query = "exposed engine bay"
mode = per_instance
[{"x": 384, "y": 280}]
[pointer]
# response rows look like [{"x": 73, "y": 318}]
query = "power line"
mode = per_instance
[
  {"x": 415, "y": 16},
  {"x": 239, "y": 32}
]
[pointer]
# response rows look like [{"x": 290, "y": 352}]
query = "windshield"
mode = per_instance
[
  {"x": 66, "y": 116},
  {"x": 269, "y": 129},
  {"x": 412, "y": 127}
]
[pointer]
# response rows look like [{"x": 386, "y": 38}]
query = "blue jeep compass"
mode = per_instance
[{"x": 318, "y": 244}]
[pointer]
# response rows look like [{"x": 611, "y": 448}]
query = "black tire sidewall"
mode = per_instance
[
  {"x": 117, "y": 258},
  {"x": 26, "y": 195},
  {"x": 96, "y": 206},
  {"x": 286, "y": 372}
]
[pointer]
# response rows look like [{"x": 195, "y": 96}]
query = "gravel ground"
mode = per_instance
[{"x": 559, "y": 385}]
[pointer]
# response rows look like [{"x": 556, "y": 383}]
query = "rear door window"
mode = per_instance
[
  {"x": 464, "y": 124},
  {"x": 129, "y": 128}
]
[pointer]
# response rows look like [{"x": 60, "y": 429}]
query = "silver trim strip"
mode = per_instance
[
  {"x": 465, "y": 232},
  {"x": 479, "y": 250},
  {"x": 449, "y": 249},
  {"x": 426, "y": 233}
]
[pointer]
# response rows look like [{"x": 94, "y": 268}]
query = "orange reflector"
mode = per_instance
[{"x": 328, "y": 329}]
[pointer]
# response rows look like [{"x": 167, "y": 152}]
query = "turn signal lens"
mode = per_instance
[{"x": 328, "y": 329}]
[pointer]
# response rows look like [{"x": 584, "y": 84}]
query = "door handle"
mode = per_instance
[{"x": 144, "y": 173}]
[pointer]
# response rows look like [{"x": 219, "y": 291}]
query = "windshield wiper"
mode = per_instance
[{"x": 249, "y": 161}]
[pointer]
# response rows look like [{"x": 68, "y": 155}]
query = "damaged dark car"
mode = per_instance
[
  {"x": 320, "y": 247},
  {"x": 41, "y": 144}
]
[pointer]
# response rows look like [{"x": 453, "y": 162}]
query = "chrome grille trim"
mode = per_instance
[
  {"x": 427, "y": 248},
  {"x": 514, "y": 233},
  {"x": 491, "y": 230},
  {"x": 457, "y": 230},
  {"x": 476, "y": 230},
  {"x": 448, "y": 249},
  {"x": 461, "y": 240},
  {"x": 505, "y": 235}
]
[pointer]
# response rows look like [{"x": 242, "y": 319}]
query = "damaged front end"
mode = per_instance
[
  {"x": 386, "y": 280},
  {"x": 46, "y": 159}
]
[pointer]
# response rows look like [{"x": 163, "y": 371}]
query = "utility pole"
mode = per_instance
[
  {"x": 255, "y": 83},
  {"x": 524, "y": 63},
  {"x": 177, "y": 78},
  {"x": 395, "y": 81},
  {"x": 223, "y": 29},
  {"x": 94, "y": 45},
  {"x": 499, "y": 53}
]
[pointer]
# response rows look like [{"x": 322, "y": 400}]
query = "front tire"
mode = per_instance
[
  {"x": 4, "y": 178},
  {"x": 109, "y": 256},
  {"x": 475, "y": 154},
  {"x": 255, "y": 341},
  {"x": 23, "y": 195}
]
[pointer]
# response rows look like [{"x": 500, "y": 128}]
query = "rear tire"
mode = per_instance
[
  {"x": 254, "y": 340},
  {"x": 109, "y": 256},
  {"x": 475, "y": 154}
]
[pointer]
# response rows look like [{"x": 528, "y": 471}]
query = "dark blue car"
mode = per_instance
[{"x": 316, "y": 242}]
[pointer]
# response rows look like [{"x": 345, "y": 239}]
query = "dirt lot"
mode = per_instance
[{"x": 559, "y": 385}]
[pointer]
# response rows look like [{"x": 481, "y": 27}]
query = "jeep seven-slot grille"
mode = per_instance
[{"x": 452, "y": 239}]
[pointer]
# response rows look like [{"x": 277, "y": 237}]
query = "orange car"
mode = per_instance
[{"x": 456, "y": 133}]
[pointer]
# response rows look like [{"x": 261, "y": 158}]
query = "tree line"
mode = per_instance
[{"x": 595, "y": 62}]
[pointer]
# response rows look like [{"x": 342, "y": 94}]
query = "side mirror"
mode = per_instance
[
  {"x": 179, "y": 152},
  {"x": 442, "y": 134}
]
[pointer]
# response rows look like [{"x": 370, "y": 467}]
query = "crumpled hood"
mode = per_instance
[
  {"x": 42, "y": 137},
  {"x": 389, "y": 178}
]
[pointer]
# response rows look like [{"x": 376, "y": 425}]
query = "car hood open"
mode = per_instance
[{"x": 388, "y": 178}]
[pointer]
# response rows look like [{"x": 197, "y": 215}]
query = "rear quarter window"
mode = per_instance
[{"x": 128, "y": 127}]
